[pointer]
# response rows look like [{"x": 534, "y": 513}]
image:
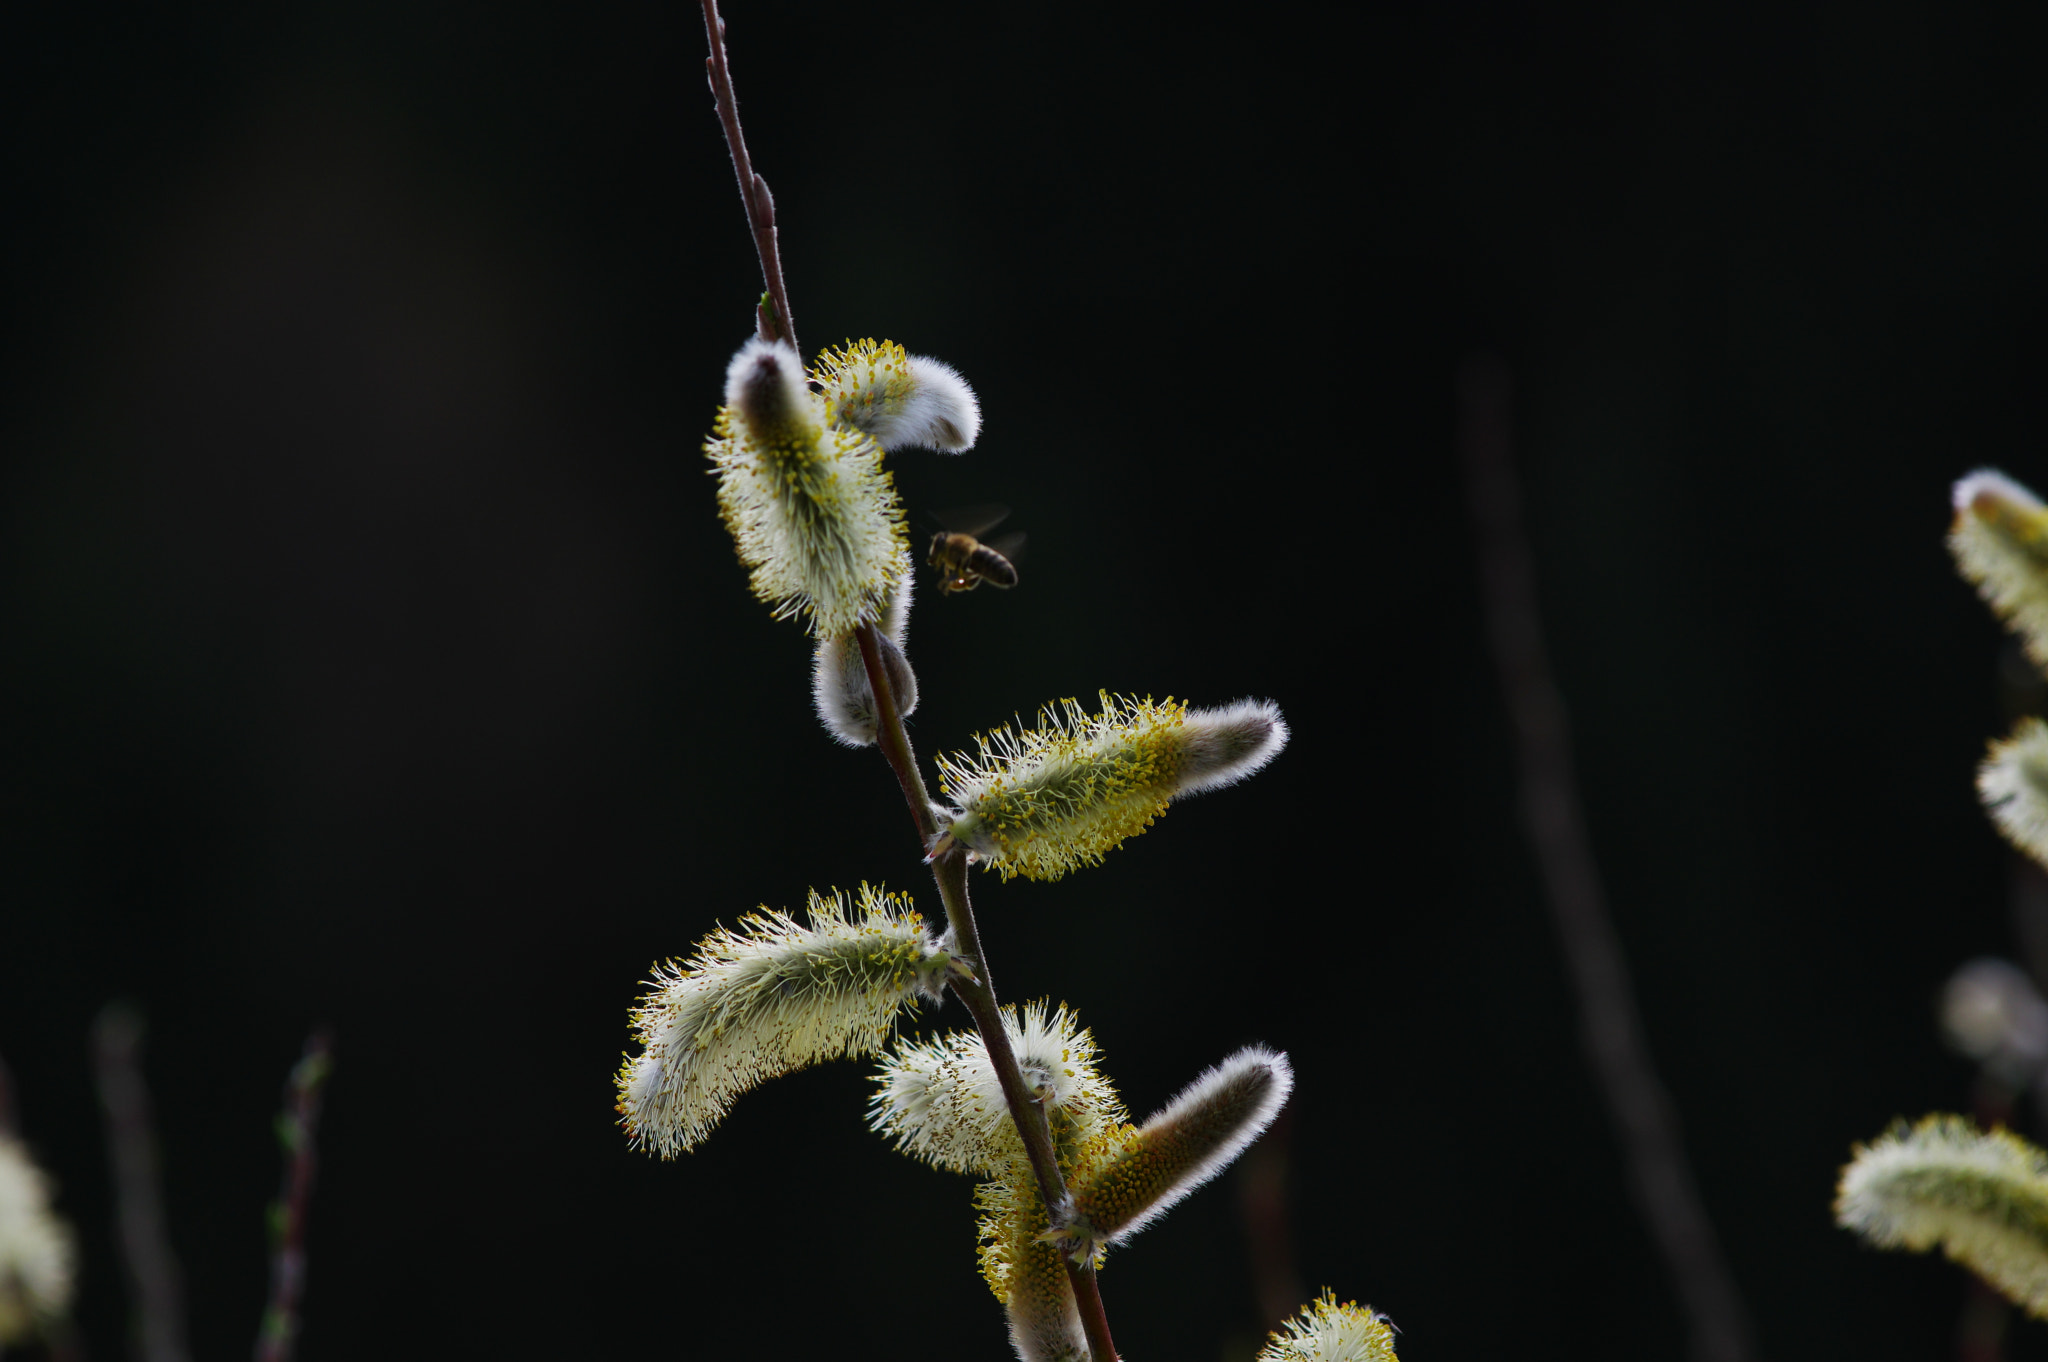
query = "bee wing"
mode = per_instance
[
  {"x": 974, "y": 521},
  {"x": 1011, "y": 546}
]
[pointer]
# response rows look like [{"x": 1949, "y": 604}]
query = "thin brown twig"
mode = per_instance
[
  {"x": 138, "y": 1196},
  {"x": 1553, "y": 818},
  {"x": 296, "y": 1127},
  {"x": 760, "y": 204},
  {"x": 949, "y": 869}
]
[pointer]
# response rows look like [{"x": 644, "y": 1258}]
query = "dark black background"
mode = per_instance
[{"x": 371, "y": 652}]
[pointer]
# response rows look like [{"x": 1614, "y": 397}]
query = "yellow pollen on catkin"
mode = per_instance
[
  {"x": 812, "y": 511},
  {"x": 862, "y": 379},
  {"x": 1025, "y": 1270},
  {"x": 1039, "y": 802},
  {"x": 1325, "y": 1331},
  {"x": 773, "y": 996}
]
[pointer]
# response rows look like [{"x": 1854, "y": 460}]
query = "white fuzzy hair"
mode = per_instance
[
  {"x": 1983, "y": 1198},
  {"x": 770, "y": 998},
  {"x": 1214, "y": 1118},
  {"x": 1230, "y": 742},
  {"x": 2000, "y": 542},
  {"x": 2013, "y": 782},
  {"x": 37, "y": 1253},
  {"x": 840, "y": 693}
]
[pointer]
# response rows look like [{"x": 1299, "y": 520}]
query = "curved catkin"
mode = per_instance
[
  {"x": 903, "y": 401},
  {"x": 1039, "y": 802},
  {"x": 811, "y": 509},
  {"x": 2013, "y": 783},
  {"x": 1325, "y": 1331},
  {"x": 769, "y": 998},
  {"x": 2000, "y": 542},
  {"x": 1128, "y": 1178},
  {"x": 37, "y": 1254},
  {"x": 1983, "y": 1198},
  {"x": 1025, "y": 1270}
]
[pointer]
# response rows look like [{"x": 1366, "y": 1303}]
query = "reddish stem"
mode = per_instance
[{"x": 754, "y": 193}]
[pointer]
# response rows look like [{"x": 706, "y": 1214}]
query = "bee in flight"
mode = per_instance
[{"x": 964, "y": 562}]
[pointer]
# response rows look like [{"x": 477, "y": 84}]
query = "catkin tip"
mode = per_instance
[{"x": 1226, "y": 744}]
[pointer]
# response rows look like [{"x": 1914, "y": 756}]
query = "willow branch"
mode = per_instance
[
  {"x": 754, "y": 193},
  {"x": 949, "y": 869},
  {"x": 296, "y": 1127},
  {"x": 1610, "y": 1027}
]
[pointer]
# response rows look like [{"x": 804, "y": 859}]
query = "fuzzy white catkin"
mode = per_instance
[
  {"x": 941, "y": 1100},
  {"x": 2000, "y": 542},
  {"x": 1325, "y": 1331},
  {"x": 811, "y": 509},
  {"x": 1983, "y": 1198},
  {"x": 902, "y": 401},
  {"x": 2013, "y": 782},
  {"x": 37, "y": 1255},
  {"x": 1025, "y": 1270},
  {"x": 1130, "y": 1179},
  {"x": 1043, "y": 801},
  {"x": 769, "y": 998}
]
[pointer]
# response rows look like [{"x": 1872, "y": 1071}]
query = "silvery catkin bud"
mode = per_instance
[
  {"x": 808, "y": 503},
  {"x": 904, "y": 401},
  {"x": 1991, "y": 1011},
  {"x": 1325, "y": 1331},
  {"x": 2000, "y": 542},
  {"x": 37, "y": 1254},
  {"x": 770, "y": 998},
  {"x": 1039, "y": 802},
  {"x": 1127, "y": 1179},
  {"x": 839, "y": 676},
  {"x": 1982, "y": 1198}
]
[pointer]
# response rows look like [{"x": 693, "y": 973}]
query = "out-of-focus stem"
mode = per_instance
[
  {"x": 1610, "y": 1027},
  {"x": 138, "y": 1196},
  {"x": 296, "y": 1127},
  {"x": 949, "y": 868},
  {"x": 753, "y": 189}
]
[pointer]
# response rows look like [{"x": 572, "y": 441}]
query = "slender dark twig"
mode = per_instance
[
  {"x": 949, "y": 868},
  {"x": 296, "y": 1126},
  {"x": 138, "y": 1197},
  {"x": 753, "y": 189},
  {"x": 1611, "y": 1029}
]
